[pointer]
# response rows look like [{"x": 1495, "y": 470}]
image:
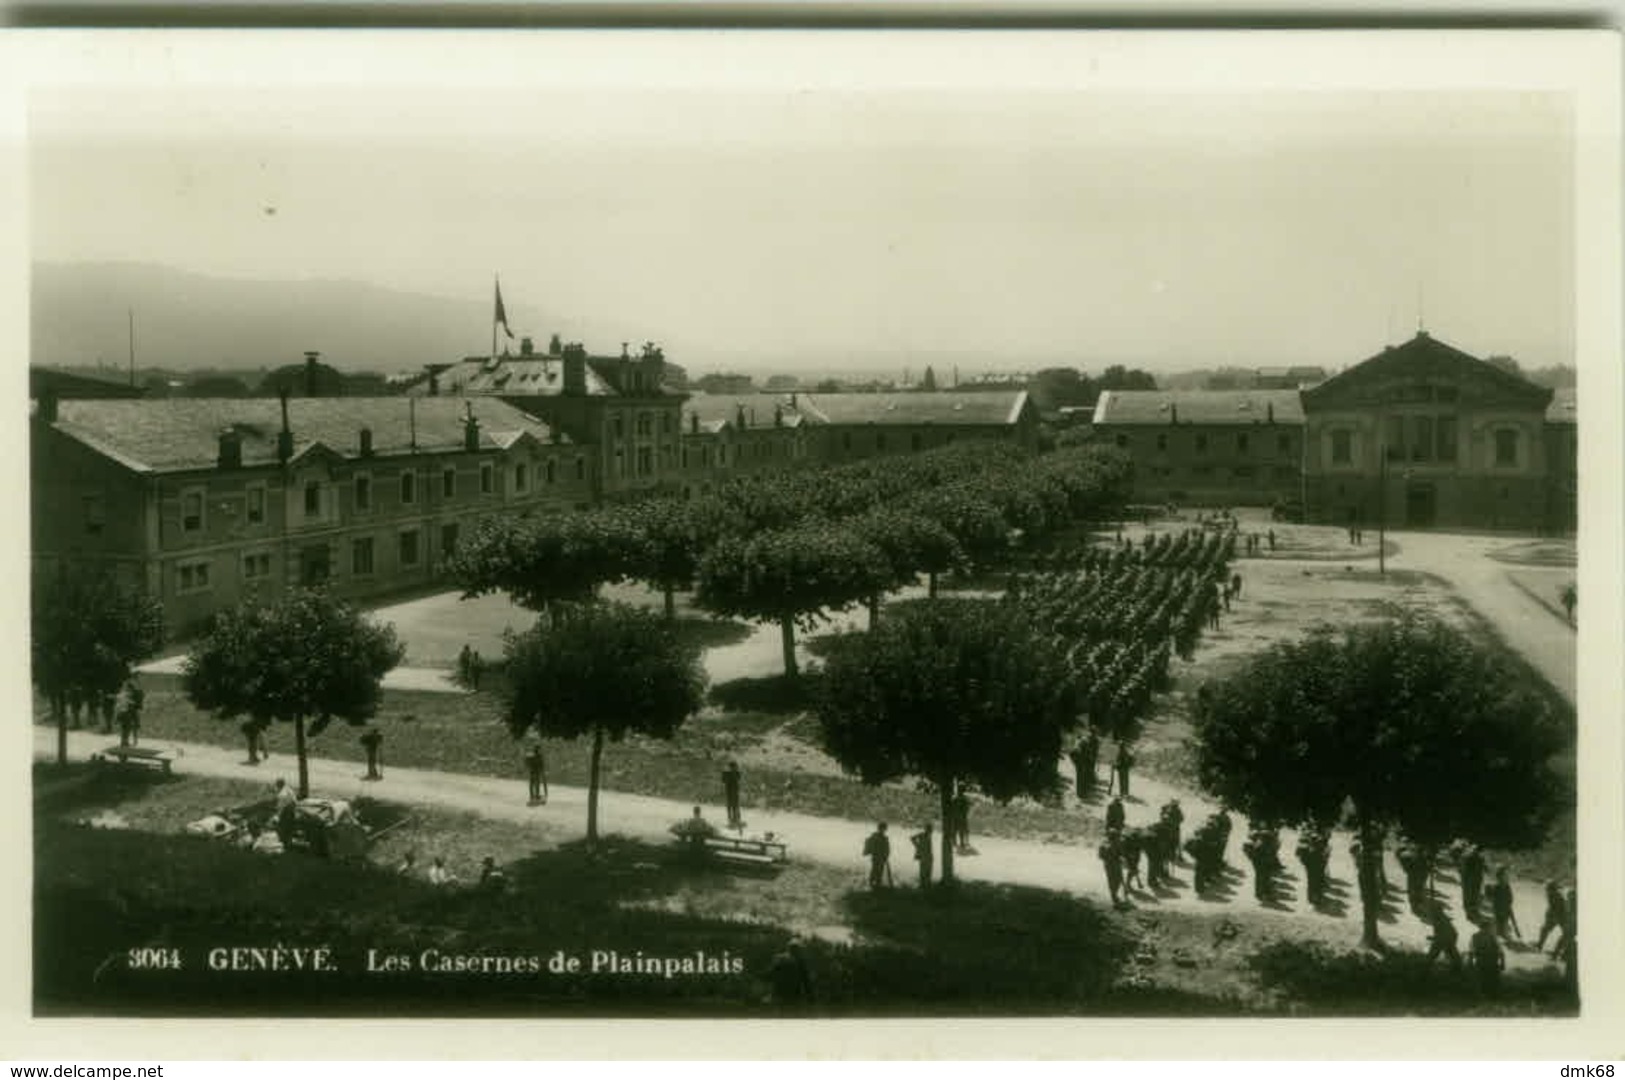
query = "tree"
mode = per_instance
[
  {"x": 791, "y": 576},
  {"x": 603, "y": 670},
  {"x": 1407, "y": 723},
  {"x": 87, "y": 633},
  {"x": 1054, "y": 388},
  {"x": 676, "y": 534},
  {"x": 1507, "y": 364},
  {"x": 951, "y": 692},
  {"x": 929, "y": 382},
  {"x": 542, "y": 562},
  {"x": 308, "y": 658},
  {"x": 911, "y": 544},
  {"x": 1117, "y": 377}
]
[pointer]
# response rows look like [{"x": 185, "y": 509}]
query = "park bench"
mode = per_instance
[
  {"x": 137, "y": 755},
  {"x": 748, "y": 850}
]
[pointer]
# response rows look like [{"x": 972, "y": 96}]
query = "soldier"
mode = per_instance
[
  {"x": 128, "y": 706},
  {"x": 1109, "y": 855},
  {"x": 878, "y": 850},
  {"x": 1312, "y": 852},
  {"x": 536, "y": 768},
  {"x": 961, "y": 823},
  {"x": 1129, "y": 846},
  {"x": 1115, "y": 816},
  {"x": 1414, "y": 862},
  {"x": 1125, "y": 760},
  {"x": 1174, "y": 817},
  {"x": 730, "y": 792},
  {"x": 1557, "y": 918},
  {"x": 1506, "y": 921},
  {"x": 1488, "y": 959},
  {"x": 923, "y": 853},
  {"x": 1272, "y": 539},
  {"x": 372, "y": 740},
  {"x": 1260, "y": 851},
  {"x": 1235, "y": 584},
  {"x": 1471, "y": 866},
  {"x": 1442, "y": 942}
]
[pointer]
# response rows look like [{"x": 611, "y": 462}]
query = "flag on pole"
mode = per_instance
[{"x": 501, "y": 315}]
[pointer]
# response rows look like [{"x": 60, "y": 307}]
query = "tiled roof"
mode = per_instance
[
  {"x": 920, "y": 407},
  {"x": 182, "y": 433},
  {"x": 1565, "y": 406},
  {"x": 540, "y": 377},
  {"x": 724, "y": 409},
  {"x": 1198, "y": 407}
]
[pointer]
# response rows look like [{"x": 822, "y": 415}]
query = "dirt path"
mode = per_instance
[{"x": 1063, "y": 867}]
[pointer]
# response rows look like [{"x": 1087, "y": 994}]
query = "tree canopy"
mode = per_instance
[
  {"x": 1408, "y": 722},
  {"x": 308, "y": 657},
  {"x": 791, "y": 576},
  {"x": 604, "y": 670},
  {"x": 952, "y": 691},
  {"x": 541, "y": 561},
  {"x": 86, "y": 634}
]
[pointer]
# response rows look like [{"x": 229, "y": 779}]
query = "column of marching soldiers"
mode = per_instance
[{"x": 1120, "y": 611}]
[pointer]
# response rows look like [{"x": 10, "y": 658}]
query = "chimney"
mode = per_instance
[
  {"x": 284, "y": 438},
  {"x": 694, "y": 423},
  {"x": 624, "y": 354},
  {"x": 310, "y": 373},
  {"x": 1269, "y": 412},
  {"x": 471, "y": 430},
  {"x": 47, "y": 406},
  {"x": 231, "y": 449},
  {"x": 575, "y": 370},
  {"x": 366, "y": 442},
  {"x": 739, "y": 417},
  {"x": 1173, "y": 413}
]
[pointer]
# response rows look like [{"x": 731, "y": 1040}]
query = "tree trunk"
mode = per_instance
[
  {"x": 874, "y": 610},
  {"x": 107, "y": 716},
  {"x": 299, "y": 751},
  {"x": 59, "y": 708},
  {"x": 671, "y": 604},
  {"x": 1370, "y": 886},
  {"x": 787, "y": 626},
  {"x": 947, "y": 791},
  {"x": 931, "y": 585},
  {"x": 592, "y": 786}
]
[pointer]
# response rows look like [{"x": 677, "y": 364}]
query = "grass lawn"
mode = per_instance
[{"x": 977, "y": 950}]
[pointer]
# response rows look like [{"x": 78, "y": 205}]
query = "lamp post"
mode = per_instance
[{"x": 1382, "y": 514}]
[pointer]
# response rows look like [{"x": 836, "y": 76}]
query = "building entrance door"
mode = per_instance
[{"x": 1420, "y": 505}]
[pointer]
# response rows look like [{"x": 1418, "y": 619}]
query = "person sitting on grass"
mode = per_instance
[
  {"x": 492, "y": 879},
  {"x": 439, "y": 875}
]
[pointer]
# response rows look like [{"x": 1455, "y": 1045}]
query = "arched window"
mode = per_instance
[{"x": 1506, "y": 447}]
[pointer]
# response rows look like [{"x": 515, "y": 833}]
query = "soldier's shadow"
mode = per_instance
[{"x": 1332, "y": 905}]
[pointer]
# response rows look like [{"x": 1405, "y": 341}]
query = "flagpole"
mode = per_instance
[{"x": 498, "y": 292}]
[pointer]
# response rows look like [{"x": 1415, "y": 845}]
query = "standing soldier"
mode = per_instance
[
  {"x": 465, "y": 666},
  {"x": 1442, "y": 942},
  {"x": 1272, "y": 539},
  {"x": 1174, "y": 817},
  {"x": 961, "y": 829},
  {"x": 1557, "y": 918},
  {"x": 1471, "y": 865},
  {"x": 730, "y": 791},
  {"x": 372, "y": 740},
  {"x": 1235, "y": 584},
  {"x": 877, "y": 847},
  {"x": 923, "y": 854},
  {"x": 1125, "y": 759},
  {"x": 1312, "y": 852},
  {"x": 130, "y": 700},
  {"x": 1258, "y": 852},
  {"x": 1488, "y": 959},
  {"x": 1108, "y": 854},
  {"x": 1129, "y": 845},
  {"x": 1115, "y": 816},
  {"x": 1506, "y": 921},
  {"x": 536, "y": 768},
  {"x": 1570, "y": 596},
  {"x": 1414, "y": 862}
]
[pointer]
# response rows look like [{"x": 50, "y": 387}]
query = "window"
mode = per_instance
[
  {"x": 1201, "y": 444},
  {"x": 363, "y": 492},
  {"x": 256, "y": 566},
  {"x": 646, "y": 461},
  {"x": 581, "y": 468},
  {"x": 192, "y": 511},
  {"x": 256, "y": 505},
  {"x": 361, "y": 556},
  {"x": 409, "y": 548},
  {"x": 619, "y": 424},
  {"x": 1283, "y": 444},
  {"x": 448, "y": 483},
  {"x": 409, "y": 487},
  {"x": 552, "y": 472},
  {"x": 880, "y": 441},
  {"x": 1241, "y": 442},
  {"x": 1341, "y": 453},
  {"x": 1506, "y": 447},
  {"x": 1162, "y": 442},
  {"x": 95, "y": 514},
  {"x": 620, "y": 463},
  {"x": 194, "y": 577},
  {"x": 1122, "y": 441},
  {"x": 644, "y": 425},
  {"x": 313, "y": 499},
  {"x": 488, "y": 480},
  {"x": 1394, "y": 447},
  {"x": 846, "y": 440},
  {"x": 1446, "y": 429},
  {"x": 665, "y": 423},
  {"x": 1421, "y": 438},
  {"x": 521, "y": 476},
  {"x": 448, "y": 538}
]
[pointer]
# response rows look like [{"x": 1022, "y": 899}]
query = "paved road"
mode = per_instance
[{"x": 1068, "y": 867}]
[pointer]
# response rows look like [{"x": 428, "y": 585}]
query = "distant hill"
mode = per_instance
[{"x": 186, "y": 321}]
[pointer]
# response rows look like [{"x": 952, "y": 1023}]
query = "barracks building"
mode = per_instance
[
  {"x": 205, "y": 502},
  {"x": 1420, "y": 435}
]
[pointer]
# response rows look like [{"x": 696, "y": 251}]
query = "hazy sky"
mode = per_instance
[{"x": 1025, "y": 223}]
